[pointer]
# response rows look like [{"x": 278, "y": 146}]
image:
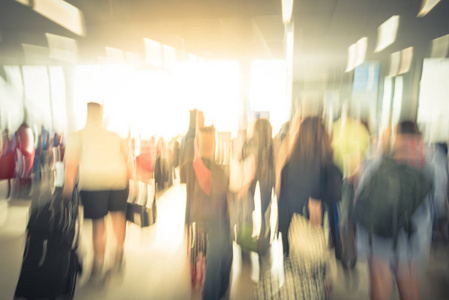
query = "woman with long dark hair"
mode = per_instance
[{"x": 309, "y": 177}]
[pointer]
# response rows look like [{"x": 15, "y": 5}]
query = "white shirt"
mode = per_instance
[{"x": 102, "y": 156}]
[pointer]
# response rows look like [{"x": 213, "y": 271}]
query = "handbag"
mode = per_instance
[
  {"x": 197, "y": 247},
  {"x": 139, "y": 210},
  {"x": 307, "y": 242},
  {"x": 345, "y": 248},
  {"x": 250, "y": 234},
  {"x": 297, "y": 278}
]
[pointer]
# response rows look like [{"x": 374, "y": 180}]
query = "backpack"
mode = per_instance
[
  {"x": 50, "y": 262},
  {"x": 385, "y": 205}
]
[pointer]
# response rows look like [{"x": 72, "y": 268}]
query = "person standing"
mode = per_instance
[
  {"x": 187, "y": 148},
  {"x": 100, "y": 159},
  {"x": 309, "y": 178},
  {"x": 259, "y": 167},
  {"x": 207, "y": 206},
  {"x": 407, "y": 253}
]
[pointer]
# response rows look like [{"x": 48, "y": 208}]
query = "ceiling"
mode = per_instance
[{"x": 229, "y": 29}]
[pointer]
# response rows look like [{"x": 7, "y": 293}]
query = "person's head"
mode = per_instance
[
  {"x": 206, "y": 142},
  {"x": 263, "y": 132},
  {"x": 407, "y": 128},
  {"x": 94, "y": 113},
  {"x": 404, "y": 130},
  {"x": 313, "y": 141}
]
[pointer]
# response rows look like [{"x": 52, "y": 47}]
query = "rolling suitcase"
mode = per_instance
[{"x": 50, "y": 262}]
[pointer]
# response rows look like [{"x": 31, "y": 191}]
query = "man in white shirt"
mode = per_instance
[{"x": 100, "y": 159}]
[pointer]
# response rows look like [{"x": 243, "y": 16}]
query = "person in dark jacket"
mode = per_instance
[
  {"x": 207, "y": 206},
  {"x": 309, "y": 178}
]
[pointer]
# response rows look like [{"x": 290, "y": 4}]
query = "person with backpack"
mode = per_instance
[{"x": 394, "y": 200}]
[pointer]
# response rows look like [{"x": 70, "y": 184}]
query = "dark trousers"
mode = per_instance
[{"x": 218, "y": 264}]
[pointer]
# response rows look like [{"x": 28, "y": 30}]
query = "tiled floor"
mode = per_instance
[{"x": 156, "y": 261}]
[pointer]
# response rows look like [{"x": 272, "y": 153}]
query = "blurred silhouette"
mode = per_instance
[
  {"x": 259, "y": 151},
  {"x": 187, "y": 150},
  {"x": 100, "y": 158},
  {"x": 7, "y": 158},
  {"x": 405, "y": 253},
  {"x": 24, "y": 158},
  {"x": 207, "y": 207},
  {"x": 309, "y": 178}
]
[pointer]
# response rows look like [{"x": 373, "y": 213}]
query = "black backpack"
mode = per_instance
[
  {"x": 385, "y": 205},
  {"x": 50, "y": 263}
]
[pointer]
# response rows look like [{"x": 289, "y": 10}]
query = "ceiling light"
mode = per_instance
[
  {"x": 361, "y": 47},
  {"x": 62, "y": 48},
  {"x": 62, "y": 13},
  {"x": 352, "y": 53},
  {"x": 427, "y": 6},
  {"x": 357, "y": 54},
  {"x": 35, "y": 54},
  {"x": 440, "y": 47},
  {"x": 24, "y": 2},
  {"x": 406, "y": 60},
  {"x": 395, "y": 60},
  {"x": 287, "y": 10},
  {"x": 387, "y": 33}
]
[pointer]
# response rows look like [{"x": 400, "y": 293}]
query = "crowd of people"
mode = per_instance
[
  {"x": 302, "y": 170},
  {"x": 307, "y": 166}
]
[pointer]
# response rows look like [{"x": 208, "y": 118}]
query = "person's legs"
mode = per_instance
[
  {"x": 119, "y": 227},
  {"x": 218, "y": 265},
  {"x": 406, "y": 278},
  {"x": 117, "y": 207},
  {"x": 212, "y": 280},
  {"x": 96, "y": 208},
  {"x": 380, "y": 279},
  {"x": 99, "y": 242},
  {"x": 226, "y": 269}
]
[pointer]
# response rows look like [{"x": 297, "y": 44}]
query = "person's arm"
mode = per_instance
[
  {"x": 440, "y": 183},
  {"x": 315, "y": 212},
  {"x": 284, "y": 216},
  {"x": 184, "y": 170},
  {"x": 249, "y": 173},
  {"x": 128, "y": 158},
  {"x": 71, "y": 165}
]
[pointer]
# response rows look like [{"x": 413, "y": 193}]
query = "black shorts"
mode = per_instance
[{"x": 97, "y": 204}]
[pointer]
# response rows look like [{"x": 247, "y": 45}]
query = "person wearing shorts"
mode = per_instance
[
  {"x": 97, "y": 204},
  {"x": 100, "y": 159}
]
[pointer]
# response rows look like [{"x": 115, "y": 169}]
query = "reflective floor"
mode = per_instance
[{"x": 156, "y": 259}]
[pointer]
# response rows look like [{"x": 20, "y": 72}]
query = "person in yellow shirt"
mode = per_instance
[{"x": 350, "y": 142}]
